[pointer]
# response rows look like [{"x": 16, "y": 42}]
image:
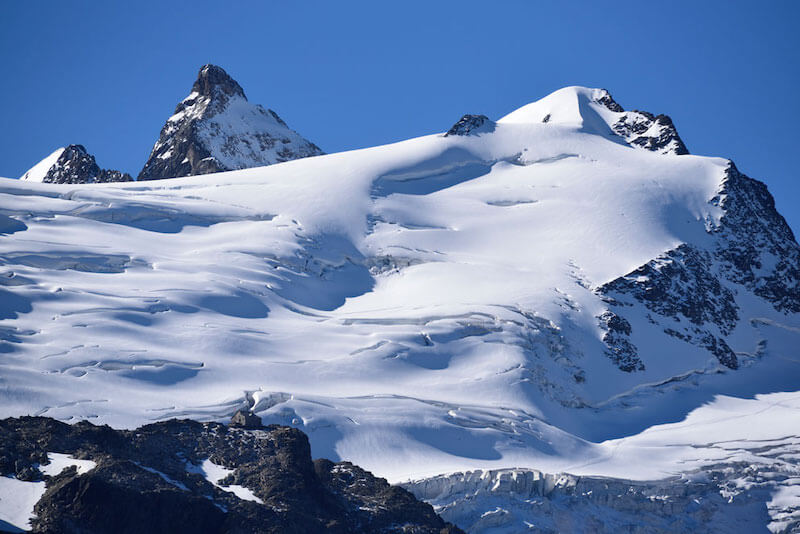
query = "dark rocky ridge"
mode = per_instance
[
  {"x": 691, "y": 293},
  {"x": 211, "y": 79},
  {"x": 471, "y": 125},
  {"x": 681, "y": 289},
  {"x": 757, "y": 247},
  {"x": 656, "y": 133},
  {"x": 141, "y": 482},
  {"x": 76, "y": 166},
  {"x": 192, "y": 142}
]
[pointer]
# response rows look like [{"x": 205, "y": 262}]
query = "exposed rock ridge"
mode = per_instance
[
  {"x": 656, "y": 133},
  {"x": 156, "y": 479},
  {"x": 76, "y": 166},
  {"x": 691, "y": 293},
  {"x": 213, "y": 79},
  {"x": 216, "y": 129},
  {"x": 685, "y": 298},
  {"x": 757, "y": 247},
  {"x": 471, "y": 125}
]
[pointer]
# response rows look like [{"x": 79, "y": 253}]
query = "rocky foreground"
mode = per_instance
[{"x": 185, "y": 476}]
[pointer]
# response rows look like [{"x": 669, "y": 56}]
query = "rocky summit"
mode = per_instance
[
  {"x": 216, "y": 129},
  {"x": 72, "y": 165},
  {"x": 184, "y": 476}
]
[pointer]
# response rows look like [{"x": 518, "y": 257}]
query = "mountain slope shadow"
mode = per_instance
[
  {"x": 328, "y": 271},
  {"x": 451, "y": 167}
]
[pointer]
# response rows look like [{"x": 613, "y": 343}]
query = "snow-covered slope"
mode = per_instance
[
  {"x": 216, "y": 129},
  {"x": 72, "y": 165},
  {"x": 517, "y": 293},
  {"x": 732, "y": 468},
  {"x": 38, "y": 172}
]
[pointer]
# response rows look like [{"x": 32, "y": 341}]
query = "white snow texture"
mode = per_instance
[{"x": 420, "y": 308}]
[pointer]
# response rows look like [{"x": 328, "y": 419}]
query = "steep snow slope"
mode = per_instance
[
  {"x": 216, "y": 129},
  {"x": 39, "y": 171},
  {"x": 511, "y": 295}
]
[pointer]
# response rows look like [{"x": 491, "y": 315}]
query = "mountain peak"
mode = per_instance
[
  {"x": 212, "y": 77},
  {"x": 216, "y": 129},
  {"x": 595, "y": 111},
  {"x": 72, "y": 165}
]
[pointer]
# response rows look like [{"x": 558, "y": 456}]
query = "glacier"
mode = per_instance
[{"x": 563, "y": 290}]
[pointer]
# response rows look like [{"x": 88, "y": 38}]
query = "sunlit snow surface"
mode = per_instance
[
  {"x": 18, "y": 497},
  {"x": 417, "y": 308},
  {"x": 215, "y": 473},
  {"x": 39, "y": 171},
  {"x": 59, "y": 462}
]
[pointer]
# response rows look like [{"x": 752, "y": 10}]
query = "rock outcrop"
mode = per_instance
[
  {"x": 72, "y": 165},
  {"x": 642, "y": 129},
  {"x": 184, "y": 476},
  {"x": 471, "y": 125},
  {"x": 691, "y": 293}
]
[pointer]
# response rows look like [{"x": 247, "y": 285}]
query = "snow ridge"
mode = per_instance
[{"x": 596, "y": 111}]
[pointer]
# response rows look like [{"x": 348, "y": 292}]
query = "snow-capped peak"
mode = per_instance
[
  {"x": 72, "y": 165},
  {"x": 570, "y": 105},
  {"x": 216, "y": 129},
  {"x": 595, "y": 111}
]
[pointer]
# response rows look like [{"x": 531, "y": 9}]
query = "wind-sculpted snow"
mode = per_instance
[{"x": 509, "y": 298}]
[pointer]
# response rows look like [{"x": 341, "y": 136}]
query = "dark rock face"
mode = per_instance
[
  {"x": 216, "y": 129},
  {"x": 212, "y": 79},
  {"x": 665, "y": 137},
  {"x": 76, "y": 166},
  {"x": 691, "y": 292},
  {"x": 146, "y": 480},
  {"x": 471, "y": 125},
  {"x": 757, "y": 248},
  {"x": 656, "y": 133},
  {"x": 619, "y": 349},
  {"x": 681, "y": 288},
  {"x": 607, "y": 100},
  {"x": 147, "y": 503}
]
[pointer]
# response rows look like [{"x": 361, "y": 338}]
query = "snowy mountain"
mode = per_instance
[
  {"x": 216, "y": 129},
  {"x": 72, "y": 165},
  {"x": 563, "y": 290}
]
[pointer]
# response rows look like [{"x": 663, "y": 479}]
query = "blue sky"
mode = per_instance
[{"x": 355, "y": 74}]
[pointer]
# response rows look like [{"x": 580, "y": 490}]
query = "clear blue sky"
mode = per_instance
[{"x": 355, "y": 74}]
